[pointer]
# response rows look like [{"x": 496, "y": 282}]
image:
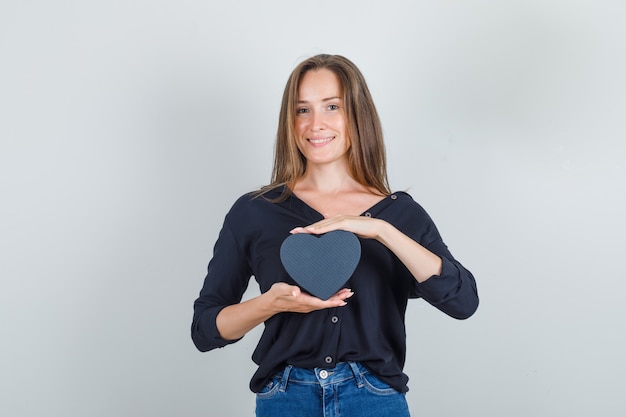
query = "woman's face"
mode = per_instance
[{"x": 321, "y": 119}]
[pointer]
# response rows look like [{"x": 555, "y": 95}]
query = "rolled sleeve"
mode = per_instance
[
  {"x": 205, "y": 334},
  {"x": 228, "y": 275},
  {"x": 453, "y": 291}
]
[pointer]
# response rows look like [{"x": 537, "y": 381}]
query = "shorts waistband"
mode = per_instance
[{"x": 342, "y": 372}]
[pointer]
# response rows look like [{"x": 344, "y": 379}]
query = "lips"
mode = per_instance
[{"x": 320, "y": 141}]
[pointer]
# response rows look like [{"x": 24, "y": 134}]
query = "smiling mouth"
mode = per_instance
[{"x": 320, "y": 141}]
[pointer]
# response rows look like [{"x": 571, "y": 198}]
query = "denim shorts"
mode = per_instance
[{"x": 348, "y": 390}]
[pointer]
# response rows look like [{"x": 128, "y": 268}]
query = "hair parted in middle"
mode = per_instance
[{"x": 367, "y": 157}]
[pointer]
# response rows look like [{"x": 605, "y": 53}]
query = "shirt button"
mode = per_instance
[
  {"x": 368, "y": 214},
  {"x": 393, "y": 196},
  {"x": 323, "y": 374},
  {"x": 334, "y": 319},
  {"x": 328, "y": 359}
]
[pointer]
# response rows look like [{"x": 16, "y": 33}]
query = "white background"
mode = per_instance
[{"x": 128, "y": 128}]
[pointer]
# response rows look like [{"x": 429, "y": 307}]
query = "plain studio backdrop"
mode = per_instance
[{"x": 128, "y": 129}]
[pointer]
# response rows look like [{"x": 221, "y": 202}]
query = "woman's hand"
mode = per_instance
[
  {"x": 363, "y": 227},
  {"x": 285, "y": 297}
]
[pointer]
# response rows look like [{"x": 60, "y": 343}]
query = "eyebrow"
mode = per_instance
[{"x": 324, "y": 99}]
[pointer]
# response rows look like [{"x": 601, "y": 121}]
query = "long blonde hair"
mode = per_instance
[{"x": 366, "y": 156}]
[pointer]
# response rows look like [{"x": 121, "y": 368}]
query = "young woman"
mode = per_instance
[{"x": 345, "y": 355}]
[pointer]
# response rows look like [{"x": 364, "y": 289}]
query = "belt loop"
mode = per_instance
[
  {"x": 357, "y": 374},
  {"x": 283, "y": 381}
]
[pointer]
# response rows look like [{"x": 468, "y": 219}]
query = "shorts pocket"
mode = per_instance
[{"x": 374, "y": 385}]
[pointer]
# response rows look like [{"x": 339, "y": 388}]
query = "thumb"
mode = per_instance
[{"x": 295, "y": 291}]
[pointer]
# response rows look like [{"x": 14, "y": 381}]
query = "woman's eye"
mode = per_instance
[
  {"x": 333, "y": 107},
  {"x": 302, "y": 111}
]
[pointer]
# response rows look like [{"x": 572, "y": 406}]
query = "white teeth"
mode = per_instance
[{"x": 318, "y": 141}]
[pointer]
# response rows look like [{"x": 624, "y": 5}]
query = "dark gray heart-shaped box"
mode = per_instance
[{"x": 321, "y": 264}]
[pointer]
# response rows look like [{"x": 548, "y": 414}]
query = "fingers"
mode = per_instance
[
  {"x": 297, "y": 230},
  {"x": 365, "y": 227},
  {"x": 324, "y": 226},
  {"x": 342, "y": 296},
  {"x": 292, "y": 298},
  {"x": 337, "y": 300}
]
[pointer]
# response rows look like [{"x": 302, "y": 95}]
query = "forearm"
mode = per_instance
[
  {"x": 234, "y": 321},
  {"x": 421, "y": 262}
]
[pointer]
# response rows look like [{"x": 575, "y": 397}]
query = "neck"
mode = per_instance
[{"x": 328, "y": 178}]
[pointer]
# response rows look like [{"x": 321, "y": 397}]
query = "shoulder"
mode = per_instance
[
  {"x": 253, "y": 206},
  {"x": 250, "y": 201},
  {"x": 404, "y": 201},
  {"x": 407, "y": 215}
]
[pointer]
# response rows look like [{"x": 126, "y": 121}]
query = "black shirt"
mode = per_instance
[{"x": 370, "y": 329}]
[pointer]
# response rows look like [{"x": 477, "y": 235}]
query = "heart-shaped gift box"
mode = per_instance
[{"x": 321, "y": 264}]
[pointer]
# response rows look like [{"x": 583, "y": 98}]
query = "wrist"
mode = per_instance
[
  {"x": 385, "y": 232},
  {"x": 269, "y": 302}
]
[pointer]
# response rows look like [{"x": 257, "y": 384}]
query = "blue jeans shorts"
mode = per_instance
[{"x": 348, "y": 390}]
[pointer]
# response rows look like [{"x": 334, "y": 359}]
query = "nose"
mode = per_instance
[{"x": 318, "y": 121}]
